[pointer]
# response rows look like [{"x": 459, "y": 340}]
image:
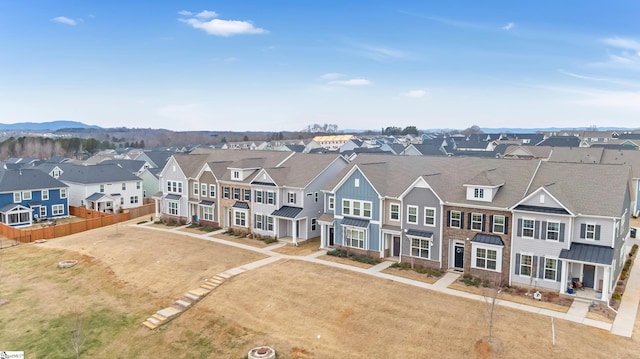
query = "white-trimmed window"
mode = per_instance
[
  {"x": 226, "y": 192},
  {"x": 17, "y": 197},
  {"x": 257, "y": 222},
  {"x": 354, "y": 237},
  {"x": 124, "y": 186},
  {"x": 394, "y": 212},
  {"x": 590, "y": 231},
  {"x": 550, "y": 268},
  {"x": 172, "y": 186},
  {"x": 173, "y": 208},
  {"x": 57, "y": 209},
  {"x": 429, "y": 216},
  {"x": 476, "y": 221},
  {"x": 485, "y": 257},
  {"x": 240, "y": 218},
  {"x": 246, "y": 194},
  {"x": 455, "y": 219},
  {"x": 292, "y": 197},
  {"x": 527, "y": 228},
  {"x": 271, "y": 197},
  {"x": 258, "y": 196},
  {"x": 314, "y": 224},
  {"x": 236, "y": 193},
  {"x": 526, "y": 264},
  {"x": 203, "y": 189},
  {"x": 207, "y": 213},
  {"x": 45, "y": 194},
  {"x": 553, "y": 231},
  {"x": 43, "y": 212},
  {"x": 420, "y": 247},
  {"x": 26, "y": 195},
  {"x": 101, "y": 188},
  {"x": 63, "y": 193},
  {"x": 138, "y": 185},
  {"x": 133, "y": 199},
  {"x": 498, "y": 224},
  {"x": 356, "y": 208},
  {"x": 236, "y": 174},
  {"x": 332, "y": 203},
  {"x": 478, "y": 193},
  {"x": 412, "y": 214},
  {"x": 269, "y": 223},
  {"x": 212, "y": 191}
]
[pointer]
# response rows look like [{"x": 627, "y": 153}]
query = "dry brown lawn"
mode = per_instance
[
  {"x": 411, "y": 274},
  {"x": 347, "y": 261},
  {"x": 302, "y": 249},
  {"x": 303, "y": 310}
]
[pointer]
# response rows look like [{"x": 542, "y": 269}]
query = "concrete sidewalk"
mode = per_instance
[{"x": 623, "y": 324}]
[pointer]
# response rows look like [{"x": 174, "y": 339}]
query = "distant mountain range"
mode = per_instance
[
  {"x": 44, "y": 126},
  {"x": 514, "y": 130}
]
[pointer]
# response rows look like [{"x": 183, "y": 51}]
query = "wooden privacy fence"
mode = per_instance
[{"x": 91, "y": 220}]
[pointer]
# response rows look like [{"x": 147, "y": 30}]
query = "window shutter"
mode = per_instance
[
  {"x": 561, "y": 232},
  {"x": 597, "y": 232},
  {"x": 506, "y": 225},
  {"x": 543, "y": 232},
  {"x": 517, "y": 263},
  {"x": 469, "y": 221},
  {"x": 461, "y": 220},
  {"x": 448, "y": 218},
  {"x": 559, "y": 270},
  {"x": 534, "y": 267},
  {"x": 541, "y": 266},
  {"x": 536, "y": 229},
  {"x": 490, "y": 223},
  {"x": 583, "y": 230},
  {"x": 519, "y": 227},
  {"x": 483, "y": 223}
]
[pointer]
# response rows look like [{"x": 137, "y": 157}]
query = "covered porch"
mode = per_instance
[
  {"x": 587, "y": 271},
  {"x": 100, "y": 202},
  {"x": 392, "y": 240},
  {"x": 15, "y": 215},
  {"x": 288, "y": 225},
  {"x": 327, "y": 232}
]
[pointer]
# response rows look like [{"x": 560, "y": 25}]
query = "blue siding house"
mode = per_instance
[{"x": 30, "y": 195}]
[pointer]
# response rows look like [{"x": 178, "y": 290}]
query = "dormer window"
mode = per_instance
[
  {"x": 478, "y": 193},
  {"x": 236, "y": 174}
]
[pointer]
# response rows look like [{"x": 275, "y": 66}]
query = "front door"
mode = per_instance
[
  {"x": 330, "y": 236},
  {"x": 396, "y": 246},
  {"x": 588, "y": 274},
  {"x": 458, "y": 253}
]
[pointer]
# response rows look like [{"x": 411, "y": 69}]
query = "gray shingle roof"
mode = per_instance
[
  {"x": 301, "y": 168},
  {"x": 241, "y": 205},
  {"x": 355, "y": 222},
  {"x": 27, "y": 179},
  {"x": 417, "y": 233},
  {"x": 588, "y": 253},
  {"x": 95, "y": 174}
]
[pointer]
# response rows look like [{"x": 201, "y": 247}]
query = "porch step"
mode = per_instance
[{"x": 149, "y": 325}]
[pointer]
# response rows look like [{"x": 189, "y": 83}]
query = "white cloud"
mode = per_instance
[
  {"x": 509, "y": 26},
  {"x": 416, "y": 93},
  {"x": 185, "y": 13},
  {"x": 352, "y": 82},
  {"x": 332, "y": 76},
  {"x": 601, "y": 79},
  {"x": 622, "y": 43},
  {"x": 64, "y": 20},
  {"x": 206, "y": 14},
  {"x": 224, "y": 27}
]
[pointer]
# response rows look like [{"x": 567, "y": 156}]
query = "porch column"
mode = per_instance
[
  {"x": 605, "y": 283},
  {"x": 563, "y": 275},
  {"x": 294, "y": 231},
  {"x": 322, "y": 235}
]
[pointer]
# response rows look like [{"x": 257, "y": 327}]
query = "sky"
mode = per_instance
[{"x": 281, "y": 65}]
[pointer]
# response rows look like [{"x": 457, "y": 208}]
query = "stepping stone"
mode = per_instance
[
  {"x": 193, "y": 297},
  {"x": 183, "y": 303},
  {"x": 168, "y": 312},
  {"x": 200, "y": 292},
  {"x": 149, "y": 325},
  {"x": 224, "y": 275},
  {"x": 153, "y": 321},
  {"x": 215, "y": 281},
  {"x": 159, "y": 317},
  {"x": 207, "y": 286}
]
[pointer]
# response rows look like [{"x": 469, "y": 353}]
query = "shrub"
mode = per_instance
[
  {"x": 470, "y": 281},
  {"x": 363, "y": 258},
  {"x": 193, "y": 225},
  {"x": 207, "y": 229},
  {"x": 634, "y": 249},
  {"x": 401, "y": 266},
  {"x": 616, "y": 296},
  {"x": 269, "y": 240},
  {"x": 336, "y": 252}
]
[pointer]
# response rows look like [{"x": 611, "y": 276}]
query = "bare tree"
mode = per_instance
[
  {"x": 77, "y": 334},
  {"x": 490, "y": 295}
]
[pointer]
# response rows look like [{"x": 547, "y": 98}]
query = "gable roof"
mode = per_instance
[
  {"x": 95, "y": 174},
  {"x": 300, "y": 169},
  {"x": 27, "y": 179},
  {"x": 130, "y": 165},
  {"x": 561, "y": 141}
]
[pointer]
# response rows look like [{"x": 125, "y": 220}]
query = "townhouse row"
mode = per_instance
[{"x": 518, "y": 222}]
